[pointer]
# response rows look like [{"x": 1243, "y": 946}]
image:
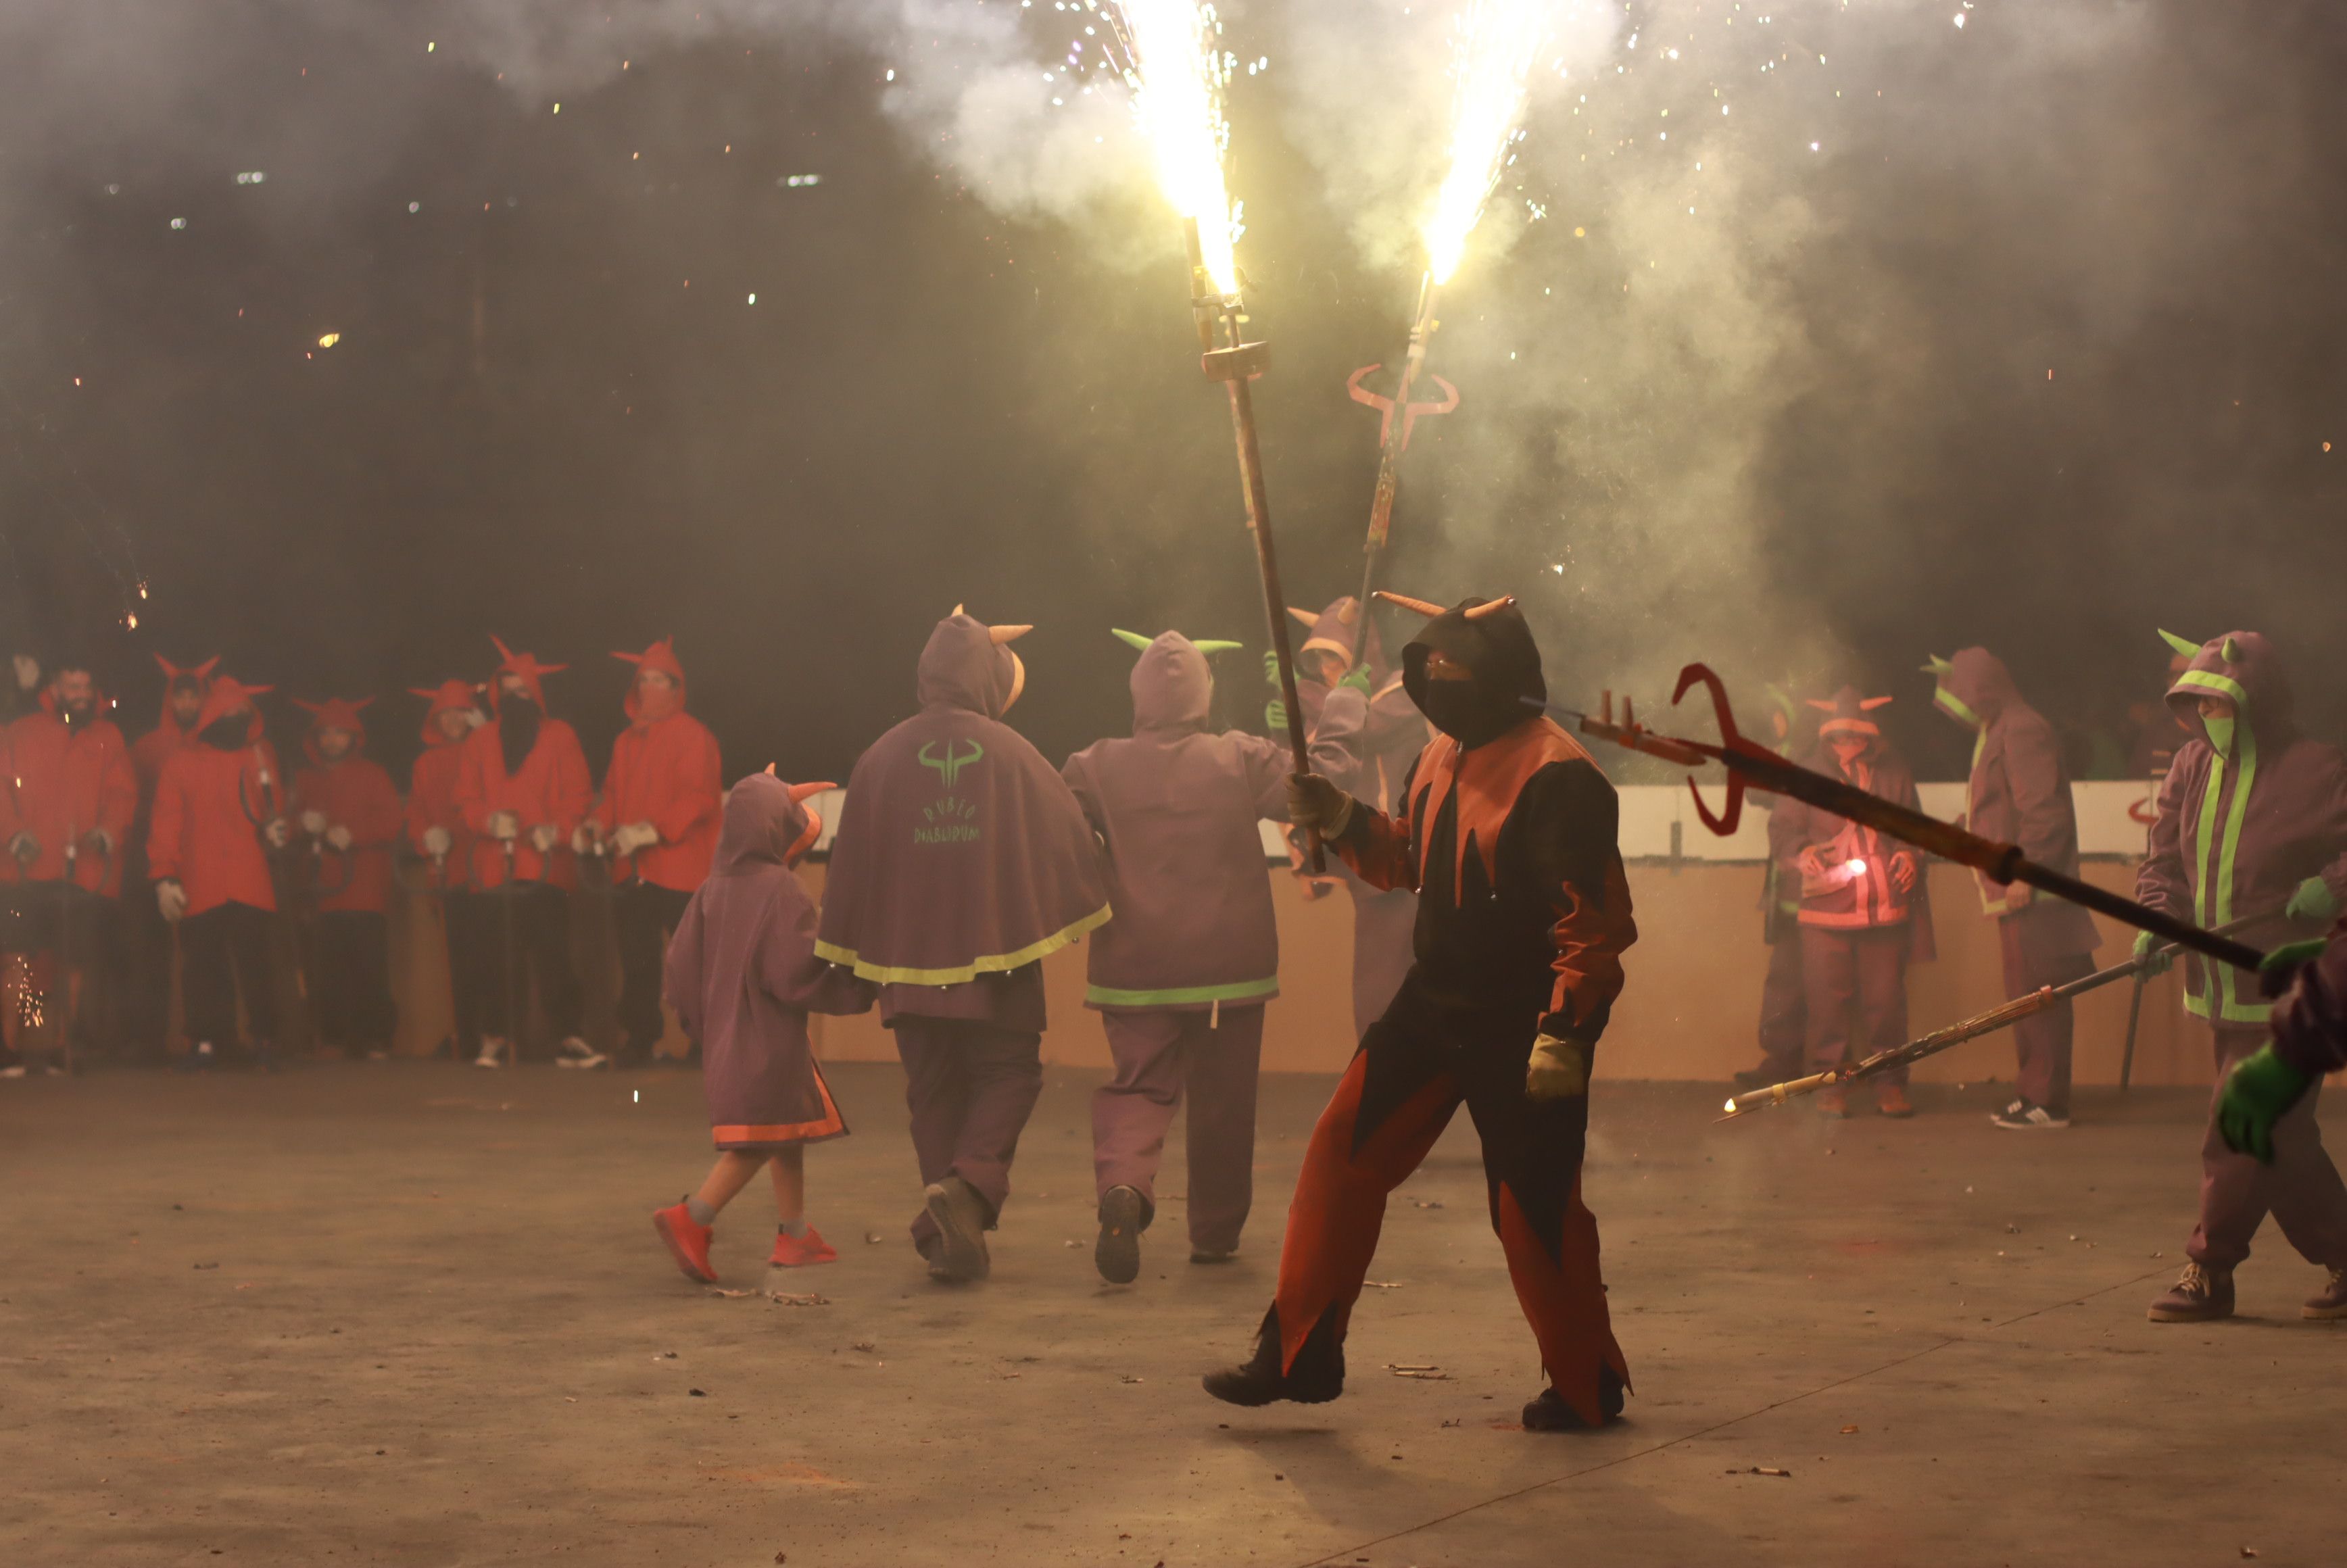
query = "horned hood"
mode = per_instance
[
  {"x": 451, "y": 695},
  {"x": 195, "y": 677},
  {"x": 968, "y": 664},
  {"x": 1497, "y": 645},
  {"x": 2241, "y": 665},
  {"x": 1847, "y": 714},
  {"x": 1974, "y": 687},
  {"x": 767, "y": 822},
  {"x": 1171, "y": 685},
  {"x": 335, "y": 713},
  {"x": 660, "y": 656},
  {"x": 1338, "y": 630},
  {"x": 224, "y": 696},
  {"x": 525, "y": 665}
]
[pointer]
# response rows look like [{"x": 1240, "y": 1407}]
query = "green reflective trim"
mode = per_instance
[
  {"x": 2224, "y": 685},
  {"x": 1955, "y": 706},
  {"x": 1178, "y": 996},
  {"x": 992, "y": 963},
  {"x": 2215, "y": 855},
  {"x": 2232, "y": 1008}
]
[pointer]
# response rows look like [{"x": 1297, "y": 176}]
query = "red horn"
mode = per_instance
[
  {"x": 809, "y": 791},
  {"x": 1479, "y": 611},
  {"x": 1403, "y": 600}
]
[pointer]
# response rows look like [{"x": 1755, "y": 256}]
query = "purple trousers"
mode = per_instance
[
  {"x": 1856, "y": 985},
  {"x": 970, "y": 1086},
  {"x": 1784, "y": 1011},
  {"x": 2300, "y": 1188},
  {"x": 2041, "y": 1042},
  {"x": 1159, "y": 1054}
]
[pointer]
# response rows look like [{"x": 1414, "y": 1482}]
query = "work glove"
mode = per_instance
[
  {"x": 1903, "y": 873},
  {"x": 278, "y": 832},
  {"x": 24, "y": 848},
  {"x": 436, "y": 843},
  {"x": 339, "y": 837},
  {"x": 100, "y": 840},
  {"x": 635, "y": 835},
  {"x": 2258, "y": 1092},
  {"x": 1317, "y": 805},
  {"x": 1559, "y": 1069},
  {"x": 2313, "y": 900},
  {"x": 582, "y": 839},
  {"x": 544, "y": 837},
  {"x": 1357, "y": 678},
  {"x": 314, "y": 823},
  {"x": 2279, "y": 969},
  {"x": 2018, "y": 897},
  {"x": 2152, "y": 963},
  {"x": 171, "y": 899},
  {"x": 504, "y": 825},
  {"x": 1274, "y": 717}
]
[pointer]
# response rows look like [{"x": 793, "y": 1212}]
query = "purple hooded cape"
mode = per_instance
[
  {"x": 742, "y": 975},
  {"x": 1175, "y": 809},
  {"x": 2237, "y": 834},
  {"x": 2019, "y": 793},
  {"x": 961, "y": 853}
]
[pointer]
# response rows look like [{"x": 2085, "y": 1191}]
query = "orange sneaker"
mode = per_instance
[
  {"x": 799, "y": 1251},
  {"x": 687, "y": 1243}
]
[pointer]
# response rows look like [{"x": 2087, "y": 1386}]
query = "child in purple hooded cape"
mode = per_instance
[{"x": 742, "y": 977}]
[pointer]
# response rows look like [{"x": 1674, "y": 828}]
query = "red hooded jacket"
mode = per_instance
[
  {"x": 64, "y": 783},
  {"x": 150, "y": 750},
  {"x": 664, "y": 771},
  {"x": 210, "y": 808},
  {"x": 550, "y": 788},
  {"x": 432, "y": 787},
  {"x": 355, "y": 793}
]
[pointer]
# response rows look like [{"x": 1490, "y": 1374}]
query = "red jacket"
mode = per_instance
[
  {"x": 432, "y": 789},
  {"x": 63, "y": 784},
  {"x": 664, "y": 771},
  {"x": 552, "y": 786},
  {"x": 150, "y": 750},
  {"x": 357, "y": 793},
  {"x": 210, "y": 808}
]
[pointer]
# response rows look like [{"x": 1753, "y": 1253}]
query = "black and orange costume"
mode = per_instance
[{"x": 1507, "y": 830}]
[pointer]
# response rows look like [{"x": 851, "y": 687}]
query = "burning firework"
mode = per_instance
[
  {"x": 1177, "y": 70},
  {"x": 1493, "y": 55}
]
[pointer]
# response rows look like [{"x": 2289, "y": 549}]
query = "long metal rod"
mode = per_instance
[{"x": 1397, "y": 433}]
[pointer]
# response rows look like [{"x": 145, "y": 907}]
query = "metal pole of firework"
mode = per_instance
[
  {"x": 1397, "y": 434},
  {"x": 1231, "y": 365}
]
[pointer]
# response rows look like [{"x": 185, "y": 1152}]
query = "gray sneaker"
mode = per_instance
[
  {"x": 959, "y": 1255},
  {"x": 2329, "y": 1302},
  {"x": 2199, "y": 1296}
]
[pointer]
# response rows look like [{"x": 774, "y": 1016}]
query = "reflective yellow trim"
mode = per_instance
[{"x": 993, "y": 963}]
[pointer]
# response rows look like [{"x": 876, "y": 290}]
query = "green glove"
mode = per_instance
[
  {"x": 2313, "y": 900},
  {"x": 1358, "y": 679},
  {"x": 2258, "y": 1092},
  {"x": 1274, "y": 717},
  {"x": 2281, "y": 966},
  {"x": 2152, "y": 963},
  {"x": 1271, "y": 669}
]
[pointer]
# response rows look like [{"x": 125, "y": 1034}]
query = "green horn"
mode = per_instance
[
  {"x": 2232, "y": 651},
  {"x": 1129, "y": 639},
  {"x": 1939, "y": 666},
  {"x": 1216, "y": 645},
  {"x": 2179, "y": 644}
]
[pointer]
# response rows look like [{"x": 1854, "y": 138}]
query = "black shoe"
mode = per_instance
[
  {"x": 1550, "y": 1413},
  {"x": 1317, "y": 1378},
  {"x": 960, "y": 1217},
  {"x": 1117, "y": 1252}
]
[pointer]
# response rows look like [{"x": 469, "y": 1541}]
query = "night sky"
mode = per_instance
[{"x": 1810, "y": 431}]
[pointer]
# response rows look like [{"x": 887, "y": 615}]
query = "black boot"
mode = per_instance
[
  {"x": 1550, "y": 1413},
  {"x": 1122, "y": 1218},
  {"x": 1317, "y": 1376}
]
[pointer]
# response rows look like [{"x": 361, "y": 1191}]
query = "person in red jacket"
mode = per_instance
[
  {"x": 71, "y": 797},
  {"x": 437, "y": 832},
  {"x": 350, "y": 811},
  {"x": 657, "y": 824},
  {"x": 220, "y": 809},
  {"x": 143, "y": 990},
  {"x": 524, "y": 791}
]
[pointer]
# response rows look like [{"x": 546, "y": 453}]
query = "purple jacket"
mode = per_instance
[
  {"x": 2309, "y": 1023},
  {"x": 961, "y": 858},
  {"x": 742, "y": 975},
  {"x": 2019, "y": 793},
  {"x": 2237, "y": 833},
  {"x": 1175, "y": 809}
]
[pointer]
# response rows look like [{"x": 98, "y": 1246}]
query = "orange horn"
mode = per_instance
[
  {"x": 1002, "y": 634},
  {"x": 1479, "y": 611},
  {"x": 1305, "y": 616},
  {"x": 809, "y": 791},
  {"x": 770, "y": 773},
  {"x": 1403, "y": 600}
]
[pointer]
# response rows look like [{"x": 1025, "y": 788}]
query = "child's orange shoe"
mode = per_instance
[
  {"x": 799, "y": 1251},
  {"x": 687, "y": 1243}
]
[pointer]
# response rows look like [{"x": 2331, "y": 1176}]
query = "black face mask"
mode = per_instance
[
  {"x": 1456, "y": 707},
  {"x": 517, "y": 720},
  {"x": 228, "y": 732}
]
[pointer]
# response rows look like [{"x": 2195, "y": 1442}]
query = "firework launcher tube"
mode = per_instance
[
  {"x": 1397, "y": 433},
  {"x": 1750, "y": 763},
  {"x": 1989, "y": 1022}
]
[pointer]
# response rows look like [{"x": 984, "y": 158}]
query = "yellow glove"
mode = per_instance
[
  {"x": 1315, "y": 804},
  {"x": 1559, "y": 1069}
]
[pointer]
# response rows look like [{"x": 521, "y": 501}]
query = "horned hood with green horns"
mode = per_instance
[
  {"x": 2241, "y": 666},
  {"x": 1171, "y": 687}
]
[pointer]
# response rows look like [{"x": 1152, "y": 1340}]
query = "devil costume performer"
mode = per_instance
[
  {"x": 1507, "y": 829},
  {"x": 2019, "y": 793},
  {"x": 961, "y": 861},
  {"x": 2252, "y": 819},
  {"x": 437, "y": 832},
  {"x": 144, "y": 992},
  {"x": 351, "y": 810},
  {"x": 1182, "y": 974}
]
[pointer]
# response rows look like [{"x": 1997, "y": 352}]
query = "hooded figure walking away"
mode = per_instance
[
  {"x": 220, "y": 810},
  {"x": 657, "y": 822},
  {"x": 1866, "y": 914},
  {"x": 742, "y": 975},
  {"x": 1180, "y": 976},
  {"x": 347, "y": 804},
  {"x": 68, "y": 796},
  {"x": 437, "y": 831},
  {"x": 524, "y": 789},
  {"x": 1508, "y": 830},
  {"x": 962, "y": 860},
  {"x": 2252, "y": 819},
  {"x": 2019, "y": 793}
]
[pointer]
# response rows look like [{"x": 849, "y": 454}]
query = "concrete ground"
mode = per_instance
[{"x": 414, "y": 1313}]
